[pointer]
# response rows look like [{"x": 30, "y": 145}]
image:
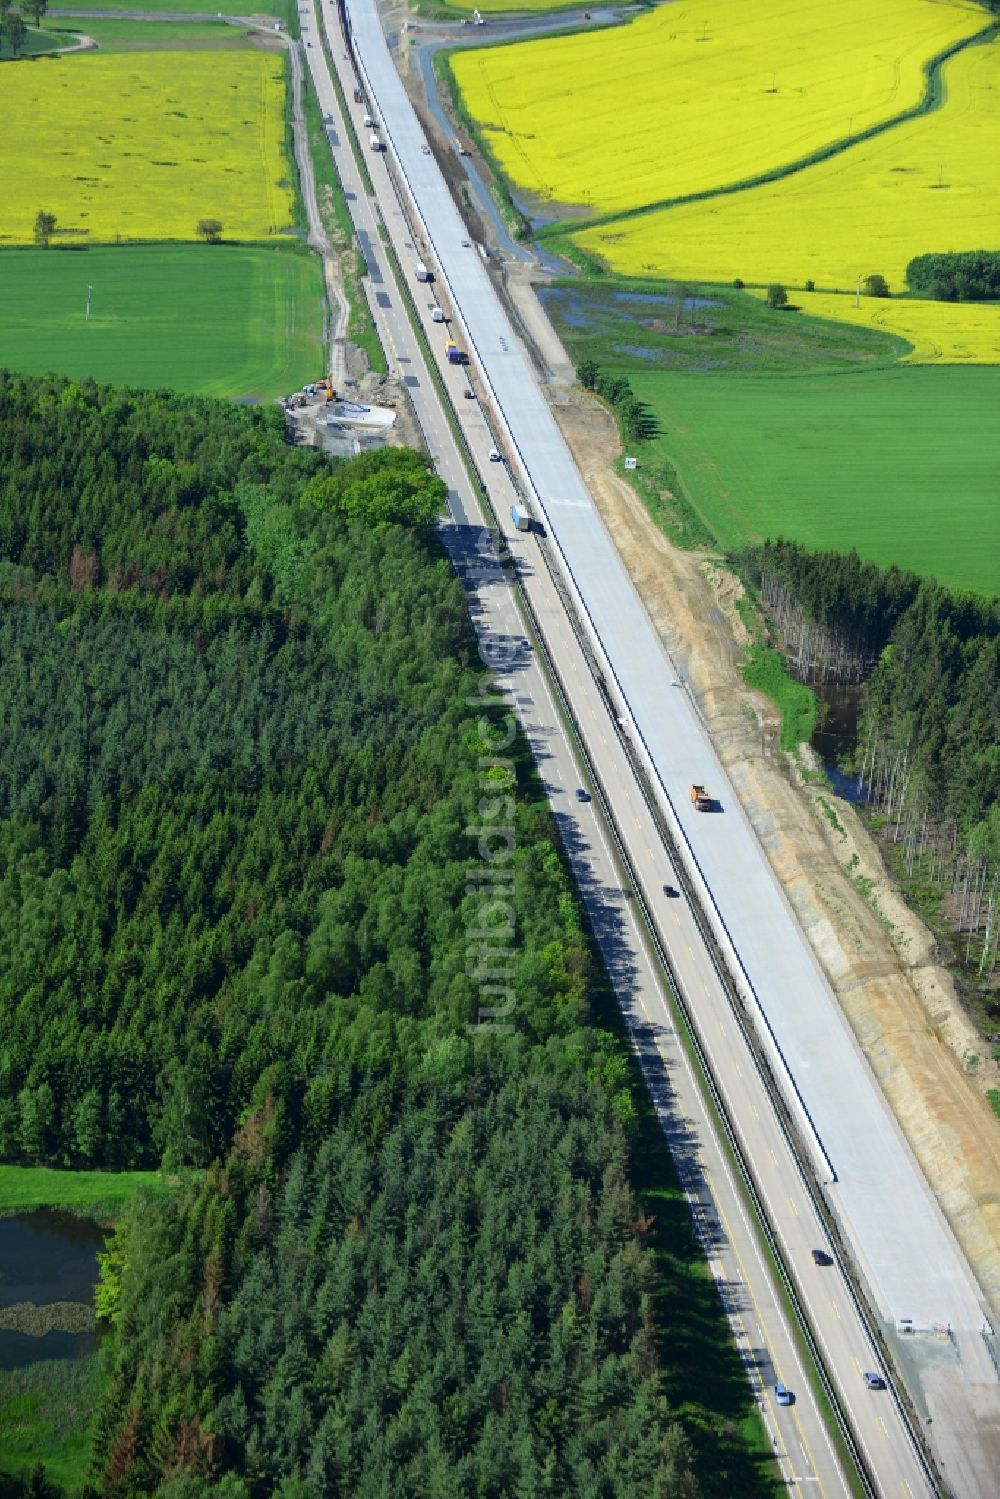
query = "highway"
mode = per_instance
[
  {"x": 750, "y": 1295},
  {"x": 921, "y": 1274},
  {"x": 753, "y": 1302}
]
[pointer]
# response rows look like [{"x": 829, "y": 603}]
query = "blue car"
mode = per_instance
[
  {"x": 875, "y": 1381},
  {"x": 783, "y": 1396}
]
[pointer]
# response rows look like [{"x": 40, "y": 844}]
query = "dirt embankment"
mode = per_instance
[{"x": 877, "y": 955}]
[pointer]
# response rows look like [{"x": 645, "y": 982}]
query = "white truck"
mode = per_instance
[
  {"x": 421, "y": 272},
  {"x": 374, "y": 142},
  {"x": 521, "y": 519}
]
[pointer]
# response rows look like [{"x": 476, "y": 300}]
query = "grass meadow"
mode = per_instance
[
  {"x": 925, "y": 185},
  {"x": 222, "y": 320},
  {"x": 640, "y": 325},
  {"x": 95, "y": 1194},
  {"x": 115, "y": 35},
  {"x": 158, "y": 141},
  {"x": 899, "y": 463},
  {"x": 691, "y": 97}
]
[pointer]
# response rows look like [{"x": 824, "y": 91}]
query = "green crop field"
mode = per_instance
[
  {"x": 222, "y": 320},
  {"x": 900, "y": 463}
]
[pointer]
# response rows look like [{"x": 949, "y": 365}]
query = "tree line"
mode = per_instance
[
  {"x": 245, "y": 747},
  {"x": 636, "y": 420},
  {"x": 929, "y": 723},
  {"x": 956, "y": 276},
  {"x": 13, "y": 27}
]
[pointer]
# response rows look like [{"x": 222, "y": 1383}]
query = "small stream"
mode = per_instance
[{"x": 47, "y": 1257}]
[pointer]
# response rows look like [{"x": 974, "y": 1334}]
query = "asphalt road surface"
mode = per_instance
[{"x": 749, "y": 1294}]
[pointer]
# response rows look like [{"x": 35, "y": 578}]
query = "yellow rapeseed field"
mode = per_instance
[
  {"x": 926, "y": 185},
  {"x": 941, "y": 332},
  {"x": 700, "y": 93},
  {"x": 143, "y": 145}
]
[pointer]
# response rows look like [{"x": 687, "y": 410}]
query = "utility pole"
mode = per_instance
[
  {"x": 90, "y": 292},
  {"x": 857, "y": 299}
]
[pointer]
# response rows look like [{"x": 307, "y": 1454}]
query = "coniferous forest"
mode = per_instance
[{"x": 244, "y": 747}]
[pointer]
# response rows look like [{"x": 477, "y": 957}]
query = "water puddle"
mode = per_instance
[
  {"x": 48, "y": 1270},
  {"x": 661, "y": 299}
]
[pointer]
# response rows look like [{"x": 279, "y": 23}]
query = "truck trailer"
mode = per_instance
[
  {"x": 374, "y": 142},
  {"x": 521, "y": 519},
  {"x": 454, "y": 353},
  {"x": 421, "y": 272}
]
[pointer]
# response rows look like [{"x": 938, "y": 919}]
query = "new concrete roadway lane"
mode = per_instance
[
  {"x": 906, "y": 1254},
  {"x": 750, "y": 1294}
]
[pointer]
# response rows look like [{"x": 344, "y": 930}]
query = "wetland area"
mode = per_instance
[{"x": 49, "y": 1365}]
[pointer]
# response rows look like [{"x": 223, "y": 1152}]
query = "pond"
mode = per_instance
[
  {"x": 47, "y": 1258},
  {"x": 835, "y": 733}
]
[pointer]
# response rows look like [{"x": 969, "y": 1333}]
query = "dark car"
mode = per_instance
[
  {"x": 820, "y": 1257},
  {"x": 581, "y": 795},
  {"x": 671, "y": 890},
  {"x": 783, "y": 1396},
  {"x": 874, "y": 1381}
]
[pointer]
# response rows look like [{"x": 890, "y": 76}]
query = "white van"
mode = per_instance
[{"x": 437, "y": 316}]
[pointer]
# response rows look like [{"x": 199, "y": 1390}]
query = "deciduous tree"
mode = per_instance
[
  {"x": 14, "y": 32},
  {"x": 45, "y": 223}
]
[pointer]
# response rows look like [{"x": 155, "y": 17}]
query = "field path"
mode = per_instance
[
  {"x": 82, "y": 44},
  {"x": 318, "y": 239}
]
